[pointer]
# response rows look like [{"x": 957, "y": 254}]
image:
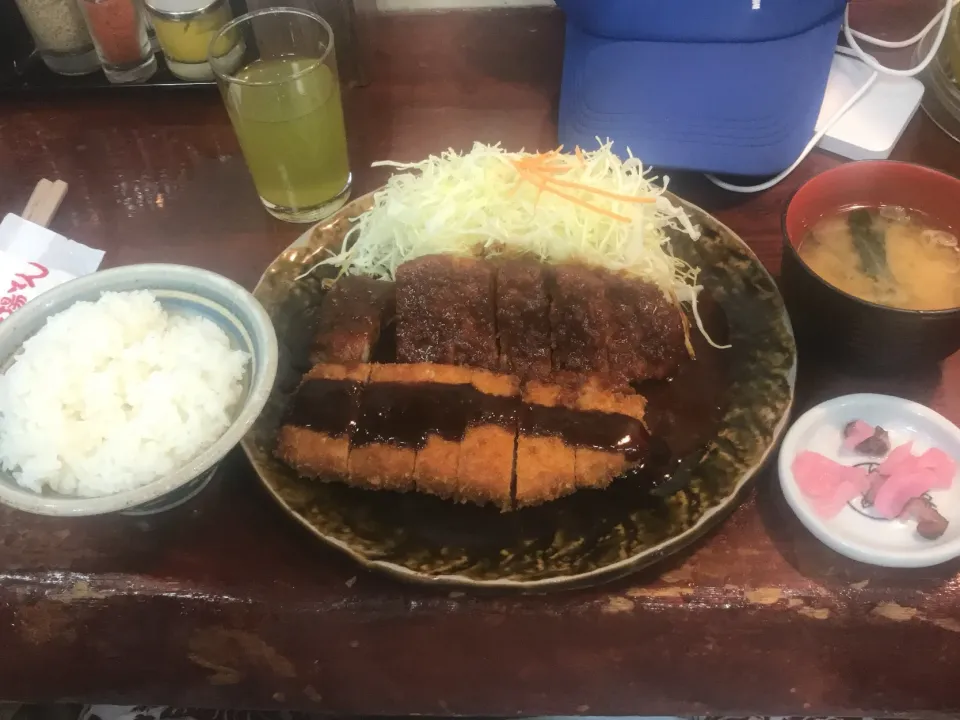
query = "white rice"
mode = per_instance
[{"x": 113, "y": 394}]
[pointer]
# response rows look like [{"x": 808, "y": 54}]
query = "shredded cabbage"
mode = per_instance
[{"x": 590, "y": 207}]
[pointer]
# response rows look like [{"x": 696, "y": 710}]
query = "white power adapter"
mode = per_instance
[
  {"x": 889, "y": 96},
  {"x": 870, "y": 129}
]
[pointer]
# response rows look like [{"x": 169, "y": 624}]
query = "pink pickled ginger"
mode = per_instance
[
  {"x": 900, "y": 458},
  {"x": 909, "y": 476},
  {"x": 827, "y": 484}
]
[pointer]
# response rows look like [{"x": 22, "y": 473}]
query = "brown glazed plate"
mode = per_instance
[{"x": 585, "y": 538}]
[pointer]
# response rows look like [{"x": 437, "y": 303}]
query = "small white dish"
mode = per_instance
[{"x": 854, "y": 532}]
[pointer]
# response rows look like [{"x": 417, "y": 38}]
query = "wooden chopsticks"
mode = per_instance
[{"x": 44, "y": 202}]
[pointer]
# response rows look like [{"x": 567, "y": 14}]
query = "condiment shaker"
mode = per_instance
[
  {"x": 119, "y": 31},
  {"x": 185, "y": 29},
  {"x": 60, "y": 35}
]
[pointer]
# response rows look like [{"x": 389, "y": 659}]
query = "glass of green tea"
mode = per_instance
[{"x": 283, "y": 99}]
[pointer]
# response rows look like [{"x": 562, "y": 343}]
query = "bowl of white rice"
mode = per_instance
[{"x": 121, "y": 391}]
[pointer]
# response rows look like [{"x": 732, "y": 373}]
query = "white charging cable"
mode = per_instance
[{"x": 941, "y": 20}]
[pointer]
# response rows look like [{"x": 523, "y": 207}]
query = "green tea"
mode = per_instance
[
  {"x": 952, "y": 42},
  {"x": 290, "y": 128}
]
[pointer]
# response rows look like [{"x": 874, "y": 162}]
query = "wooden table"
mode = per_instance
[{"x": 225, "y": 602}]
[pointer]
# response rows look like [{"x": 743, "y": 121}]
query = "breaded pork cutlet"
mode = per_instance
[
  {"x": 486, "y": 467},
  {"x": 350, "y": 318},
  {"x": 579, "y": 320},
  {"x": 381, "y": 466},
  {"x": 523, "y": 318},
  {"x": 447, "y": 430},
  {"x": 595, "y": 395},
  {"x": 467, "y": 454},
  {"x": 595, "y": 467},
  {"x": 546, "y": 466},
  {"x": 565, "y": 438},
  {"x": 435, "y": 463},
  {"x": 461, "y": 433},
  {"x": 446, "y": 311},
  {"x": 420, "y": 373},
  {"x": 401, "y": 407},
  {"x": 647, "y": 337},
  {"x": 314, "y": 438}
]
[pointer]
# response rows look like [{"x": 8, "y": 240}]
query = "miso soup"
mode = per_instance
[{"x": 886, "y": 255}]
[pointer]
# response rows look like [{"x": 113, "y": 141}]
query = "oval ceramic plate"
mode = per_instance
[
  {"x": 581, "y": 539},
  {"x": 857, "y": 531}
]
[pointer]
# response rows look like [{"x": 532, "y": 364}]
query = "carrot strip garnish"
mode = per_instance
[
  {"x": 535, "y": 164},
  {"x": 534, "y": 161},
  {"x": 588, "y": 206},
  {"x": 604, "y": 193},
  {"x": 576, "y": 201},
  {"x": 544, "y": 170},
  {"x": 536, "y": 170}
]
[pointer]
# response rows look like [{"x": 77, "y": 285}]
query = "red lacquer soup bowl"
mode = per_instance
[{"x": 830, "y": 320}]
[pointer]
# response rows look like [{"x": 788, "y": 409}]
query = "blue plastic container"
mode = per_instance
[{"x": 722, "y": 86}]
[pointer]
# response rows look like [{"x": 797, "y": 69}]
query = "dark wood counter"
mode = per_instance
[{"x": 225, "y": 602}]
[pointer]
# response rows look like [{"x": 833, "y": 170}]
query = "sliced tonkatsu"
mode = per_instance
[
  {"x": 429, "y": 397},
  {"x": 462, "y": 422},
  {"x": 647, "y": 336},
  {"x": 579, "y": 320},
  {"x": 486, "y": 468},
  {"x": 460, "y": 433},
  {"x": 528, "y": 319},
  {"x": 446, "y": 311},
  {"x": 510, "y": 384},
  {"x": 318, "y": 425},
  {"x": 447, "y": 430},
  {"x": 350, "y": 320},
  {"x": 611, "y": 413},
  {"x": 575, "y": 437},
  {"x": 523, "y": 318},
  {"x": 546, "y": 464}
]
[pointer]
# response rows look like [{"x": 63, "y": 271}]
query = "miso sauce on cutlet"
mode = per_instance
[
  {"x": 495, "y": 410},
  {"x": 609, "y": 432},
  {"x": 326, "y": 406},
  {"x": 405, "y": 414}
]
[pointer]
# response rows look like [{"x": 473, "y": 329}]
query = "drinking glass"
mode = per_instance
[
  {"x": 952, "y": 43},
  {"x": 283, "y": 98}
]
